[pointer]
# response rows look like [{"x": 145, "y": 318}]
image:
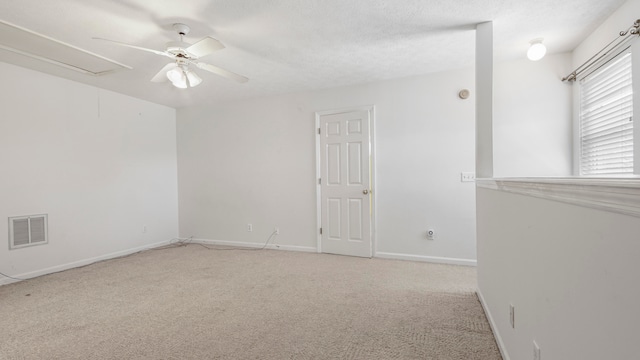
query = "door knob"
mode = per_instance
[{"x": 365, "y": 191}]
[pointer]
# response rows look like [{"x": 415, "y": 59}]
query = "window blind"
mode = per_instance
[{"x": 606, "y": 119}]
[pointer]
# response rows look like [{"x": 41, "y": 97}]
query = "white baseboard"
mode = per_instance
[
  {"x": 58, "y": 268},
  {"x": 384, "y": 255},
  {"x": 254, "y": 245},
  {"x": 431, "y": 259},
  {"x": 496, "y": 334}
]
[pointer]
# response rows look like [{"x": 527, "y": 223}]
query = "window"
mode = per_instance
[{"x": 606, "y": 119}]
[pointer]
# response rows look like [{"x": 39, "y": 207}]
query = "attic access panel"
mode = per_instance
[{"x": 41, "y": 47}]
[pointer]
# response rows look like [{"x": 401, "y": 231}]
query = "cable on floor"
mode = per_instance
[
  {"x": 11, "y": 277},
  {"x": 275, "y": 232}
]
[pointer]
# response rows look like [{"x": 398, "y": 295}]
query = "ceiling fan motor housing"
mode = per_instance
[{"x": 178, "y": 47}]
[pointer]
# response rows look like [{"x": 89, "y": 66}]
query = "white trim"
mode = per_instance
[
  {"x": 318, "y": 187},
  {"x": 492, "y": 324},
  {"x": 614, "y": 195},
  {"x": 635, "y": 83},
  {"x": 575, "y": 130},
  {"x": 371, "y": 109},
  {"x": 345, "y": 110},
  {"x": 372, "y": 170},
  {"x": 55, "y": 62},
  {"x": 254, "y": 245},
  {"x": 430, "y": 259},
  {"x": 79, "y": 263}
]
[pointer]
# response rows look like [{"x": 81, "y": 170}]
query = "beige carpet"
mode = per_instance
[{"x": 192, "y": 303}]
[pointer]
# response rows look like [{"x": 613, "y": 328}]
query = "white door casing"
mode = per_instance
[{"x": 344, "y": 145}]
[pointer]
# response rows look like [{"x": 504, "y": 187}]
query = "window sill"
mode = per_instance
[{"x": 620, "y": 195}]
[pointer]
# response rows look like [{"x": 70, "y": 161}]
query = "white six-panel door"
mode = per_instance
[{"x": 345, "y": 191}]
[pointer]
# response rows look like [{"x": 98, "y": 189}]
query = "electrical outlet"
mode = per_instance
[
  {"x": 276, "y": 230},
  {"x": 249, "y": 227},
  {"x": 512, "y": 316},
  {"x": 536, "y": 351},
  {"x": 467, "y": 177}
]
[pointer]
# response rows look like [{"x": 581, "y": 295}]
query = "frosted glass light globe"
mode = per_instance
[
  {"x": 175, "y": 74},
  {"x": 177, "y": 77},
  {"x": 194, "y": 79},
  {"x": 537, "y": 50}
]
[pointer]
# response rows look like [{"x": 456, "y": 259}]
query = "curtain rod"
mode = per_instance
[{"x": 623, "y": 37}]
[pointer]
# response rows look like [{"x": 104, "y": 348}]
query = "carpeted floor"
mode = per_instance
[{"x": 192, "y": 303}]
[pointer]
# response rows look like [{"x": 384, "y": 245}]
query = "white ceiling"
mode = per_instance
[{"x": 286, "y": 46}]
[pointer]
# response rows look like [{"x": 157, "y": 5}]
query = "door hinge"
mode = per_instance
[
  {"x": 319, "y": 181},
  {"x": 320, "y": 231},
  {"x": 318, "y": 131}
]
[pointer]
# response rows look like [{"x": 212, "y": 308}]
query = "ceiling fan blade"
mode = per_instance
[
  {"x": 204, "y": 47},
  {"x": 162, "y": 74},
  {"x": 222, "y": 72},
  {"x": 157, "y": 52}
]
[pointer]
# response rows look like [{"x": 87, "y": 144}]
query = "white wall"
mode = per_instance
[
  {"x": 620, "y": 20},
  {"x": 100, "y": 164},
  {"x": 532, "y": 131},
  {"x": 484, "y": 100},
  {"x": 254, "y": 162},
  {"x": 571, "y": 273}
]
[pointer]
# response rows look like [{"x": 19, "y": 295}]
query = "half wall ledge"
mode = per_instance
[{"x": 619, "y": 195}]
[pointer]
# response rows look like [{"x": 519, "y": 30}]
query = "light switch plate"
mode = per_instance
[{"x": 467, "y": 177}]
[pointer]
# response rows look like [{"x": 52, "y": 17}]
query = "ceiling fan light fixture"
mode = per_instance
[
  {"x": 175, "y": 74},
  {"x": 194, "y": 79},
  {"x": 183, "y": 55},
  {"x": 180, "y": 84},
  {"x": 177, "y": 77}
]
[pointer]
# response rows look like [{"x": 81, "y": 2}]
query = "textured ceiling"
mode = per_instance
[{"x": 286, "y": 46}]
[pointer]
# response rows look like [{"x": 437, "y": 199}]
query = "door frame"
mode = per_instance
[{"x": 372, "y": 169}]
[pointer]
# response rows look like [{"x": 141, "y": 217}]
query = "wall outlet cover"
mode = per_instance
[{"x": 467, "y": 177}]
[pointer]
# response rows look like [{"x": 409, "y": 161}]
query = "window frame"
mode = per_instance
[
  {"x": 602, "y": 85},
  {"x": 634, "y": 48}
]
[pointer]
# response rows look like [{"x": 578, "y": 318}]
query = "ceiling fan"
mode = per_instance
[{"x": 184, "y": 55}]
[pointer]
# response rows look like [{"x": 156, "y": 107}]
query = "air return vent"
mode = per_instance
[{"x": 27, "y": 231}]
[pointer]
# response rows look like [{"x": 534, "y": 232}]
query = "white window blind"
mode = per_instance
[{"x": 606, "y": 119}]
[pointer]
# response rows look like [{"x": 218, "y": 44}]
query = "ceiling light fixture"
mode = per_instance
[
  {"x": 194, "y": 79},
  {"x": 183, "y": 78},
  {"x": 177, "y": 76},
  {"x": 537, "y": 50}
]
